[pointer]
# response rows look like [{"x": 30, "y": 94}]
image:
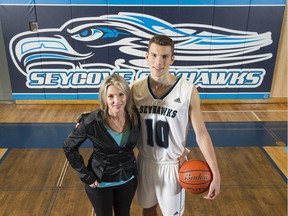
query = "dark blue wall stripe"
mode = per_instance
[{"x": 145, "y": 2}]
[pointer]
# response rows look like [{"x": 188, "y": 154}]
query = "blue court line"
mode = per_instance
[
  {"x": 4, "y": 156},
  {"x": 283, "y": 176},
  {"x": 223, "y": 134},
  {"x": 34, "y": 135},
  {"x": 243, "y": 134},
  {"x": 238, "y": 134}
]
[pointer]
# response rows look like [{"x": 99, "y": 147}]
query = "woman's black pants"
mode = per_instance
[{"x": 119, "y": 198}]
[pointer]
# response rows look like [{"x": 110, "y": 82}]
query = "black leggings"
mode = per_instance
[{"x": 120, "y": 197}]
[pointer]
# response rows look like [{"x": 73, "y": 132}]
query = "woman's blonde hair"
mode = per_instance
[{"x": 120, "y": 83}]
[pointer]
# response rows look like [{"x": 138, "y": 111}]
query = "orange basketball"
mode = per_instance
[{"x": 195, "y": 176}]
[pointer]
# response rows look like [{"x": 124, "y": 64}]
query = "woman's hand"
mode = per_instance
[{"x": 94, "y": 185}]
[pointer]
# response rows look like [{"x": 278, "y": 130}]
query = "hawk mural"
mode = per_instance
[{"x": 78, "y": 43}]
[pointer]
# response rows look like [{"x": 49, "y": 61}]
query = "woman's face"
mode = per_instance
[{"x": 116, "y": 100}]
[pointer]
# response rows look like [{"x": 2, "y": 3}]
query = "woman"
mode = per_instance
[{"x": 110, "y": 176}]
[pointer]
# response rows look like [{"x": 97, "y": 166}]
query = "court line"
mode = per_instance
[
  {"x": 271, "y": 133},
  {"x": 2, "y": 152},
  {"x": 92, "y": 212},
  {"x": 2, "y": 158},
  {"x": 62, "y": 174},
  {"x": 255, "y": 116},
  {"x": 274, "y": 164},
  {"x": 240, "y": 111}
]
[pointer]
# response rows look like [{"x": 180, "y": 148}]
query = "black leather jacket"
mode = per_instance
[{"x": 108, "y": 162}]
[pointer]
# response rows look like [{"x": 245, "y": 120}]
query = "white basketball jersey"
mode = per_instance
[{"x": 164, "y": 120}]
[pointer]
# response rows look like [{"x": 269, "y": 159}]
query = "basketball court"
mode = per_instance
[
  {"x": 250, "y": 142},
  {"x": 57, "y": 52}
]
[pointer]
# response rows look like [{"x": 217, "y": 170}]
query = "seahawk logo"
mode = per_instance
[{"x": 93, "y": 47}]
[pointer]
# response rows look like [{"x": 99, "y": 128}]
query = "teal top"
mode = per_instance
[{"x": 120, "y": 138}]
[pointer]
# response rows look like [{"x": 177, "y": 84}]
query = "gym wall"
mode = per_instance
[{"x": 63, "y": 49}]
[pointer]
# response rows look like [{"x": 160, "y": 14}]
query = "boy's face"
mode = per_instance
[{"x": 159, "y": 59}]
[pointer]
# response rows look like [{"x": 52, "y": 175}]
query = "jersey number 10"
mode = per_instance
[{"x": 161, "y": 133}]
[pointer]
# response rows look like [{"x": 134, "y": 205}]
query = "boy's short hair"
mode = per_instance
[{"x": 162, "y": 40}]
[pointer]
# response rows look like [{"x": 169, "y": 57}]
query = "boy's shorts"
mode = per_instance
[{"x": 158, "y": 183}]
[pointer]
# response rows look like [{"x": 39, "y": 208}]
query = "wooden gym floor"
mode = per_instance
[{"x": 250, "y": 143}]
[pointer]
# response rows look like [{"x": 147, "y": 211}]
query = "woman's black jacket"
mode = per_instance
[{"x": 108, "y": 162}]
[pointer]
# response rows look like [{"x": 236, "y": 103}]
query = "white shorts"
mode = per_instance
[{"x": 158, "y": 183}]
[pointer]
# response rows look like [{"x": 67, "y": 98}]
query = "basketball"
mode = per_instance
[{"x": 195, "y": 176}]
